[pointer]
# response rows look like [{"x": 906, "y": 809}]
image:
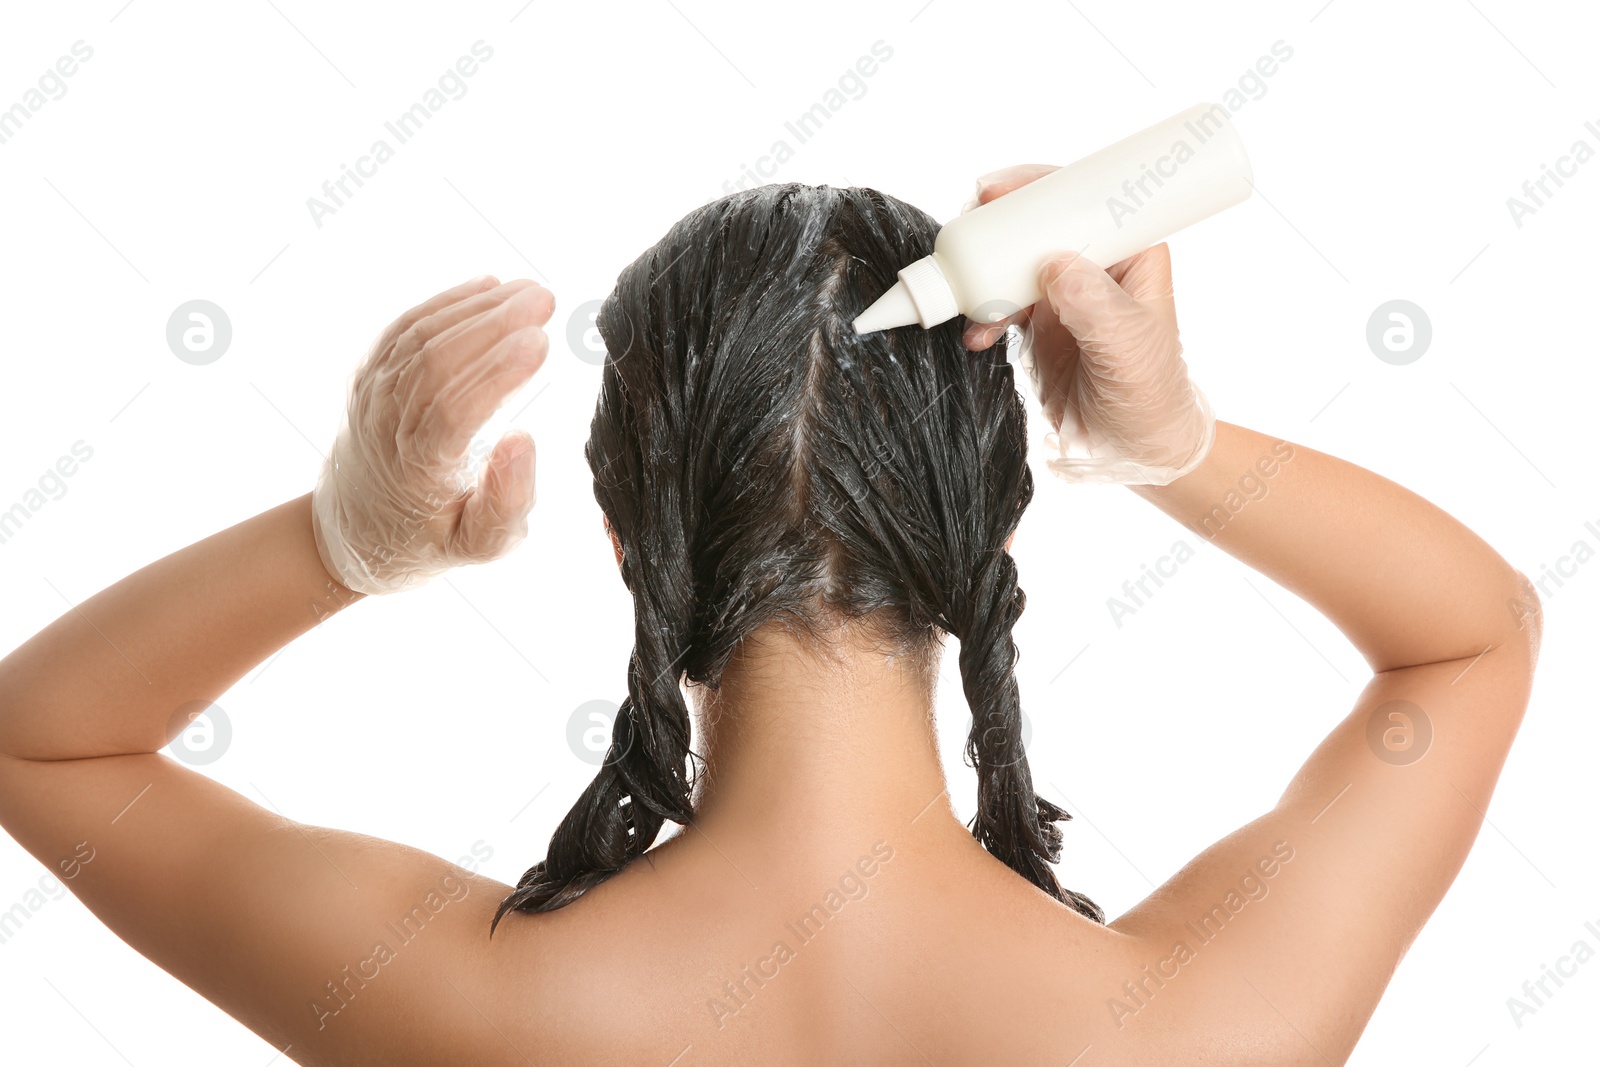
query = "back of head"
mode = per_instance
[{"x": 760, "y": 462}]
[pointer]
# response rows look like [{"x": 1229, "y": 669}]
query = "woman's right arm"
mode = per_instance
[
  {"x": 1405, "y": 582},
  {"x": 1334, "y": 883},
  {"x": 1274, "y": 944}
]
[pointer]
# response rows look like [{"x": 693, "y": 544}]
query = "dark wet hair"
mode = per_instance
[{"x": 755, "y": 458}]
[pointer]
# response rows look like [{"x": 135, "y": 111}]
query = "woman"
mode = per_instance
[{"x": 800, "y": 514}]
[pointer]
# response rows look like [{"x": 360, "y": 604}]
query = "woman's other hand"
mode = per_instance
[{"x": 395, "y": 503}]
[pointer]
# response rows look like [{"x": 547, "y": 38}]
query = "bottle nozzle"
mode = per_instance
[
  {"x": 893, "y": 308},
  {"x": 922, "y": 295}
]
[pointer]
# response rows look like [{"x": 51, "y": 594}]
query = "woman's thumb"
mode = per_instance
[{"x": 495, "y": 517}]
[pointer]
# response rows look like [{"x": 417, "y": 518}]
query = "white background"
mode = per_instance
[{"x": 178, "y": 165}]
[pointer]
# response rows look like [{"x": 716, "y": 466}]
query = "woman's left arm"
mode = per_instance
[
  {"x": 276, "y": 922},
  {"x": 109, "y": 677}
]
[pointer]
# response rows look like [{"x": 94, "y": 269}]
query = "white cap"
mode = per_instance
[{"x": 922, "y": 295}]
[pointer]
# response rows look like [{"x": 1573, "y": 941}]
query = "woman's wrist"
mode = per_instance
[
  {"x": 1203, "y": 433},
  {"x": 1163, "y": 462},
  {"x": 335, "y": 595},
  {"x": 1203, "y": 484}
]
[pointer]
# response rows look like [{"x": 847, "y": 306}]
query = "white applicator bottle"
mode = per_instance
[{"x": 1121, "y": 200}]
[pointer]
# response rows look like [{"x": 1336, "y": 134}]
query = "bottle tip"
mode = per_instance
[{"x": 893, "y": 308}]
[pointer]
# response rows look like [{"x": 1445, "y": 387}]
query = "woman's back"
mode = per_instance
[{"x": 915, "y": 946}]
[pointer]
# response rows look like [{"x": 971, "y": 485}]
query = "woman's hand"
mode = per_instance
[
  {"x": 1103, "y": 353},
  {"x": 395, "y": 503}
]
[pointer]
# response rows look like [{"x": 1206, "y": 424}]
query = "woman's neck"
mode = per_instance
[{"x": 810, "y": 744}]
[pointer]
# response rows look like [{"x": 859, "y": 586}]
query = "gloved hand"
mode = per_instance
[
  {"x": 1103, "y": 354},
  {"x": 396, "y": 503}
]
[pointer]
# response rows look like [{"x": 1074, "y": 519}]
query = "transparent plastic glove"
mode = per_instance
[
  {"x": 1103, "y": 354},
  {"x": 396, "y": 503}
]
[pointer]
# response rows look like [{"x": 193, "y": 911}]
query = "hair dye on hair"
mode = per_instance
[{"x": 760, "y": 462}]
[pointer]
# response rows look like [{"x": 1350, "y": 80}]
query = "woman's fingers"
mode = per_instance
[
  {"x": 441, "y": 419},
  {"x": 495, "y": 516},
  {"x": 1000, "y": 182},
  {"x": 440, "y": 324},
  {"x": 981, "y": 335},
  {"x": 449, "y": 387},
  {"x": 433, "y": 304},
  {"x": 445, "y": 325},
  {"x": 1089, "y": 302},
  {"x": 1147, "y": 277},
  {"x": 511, "y": 307}
]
